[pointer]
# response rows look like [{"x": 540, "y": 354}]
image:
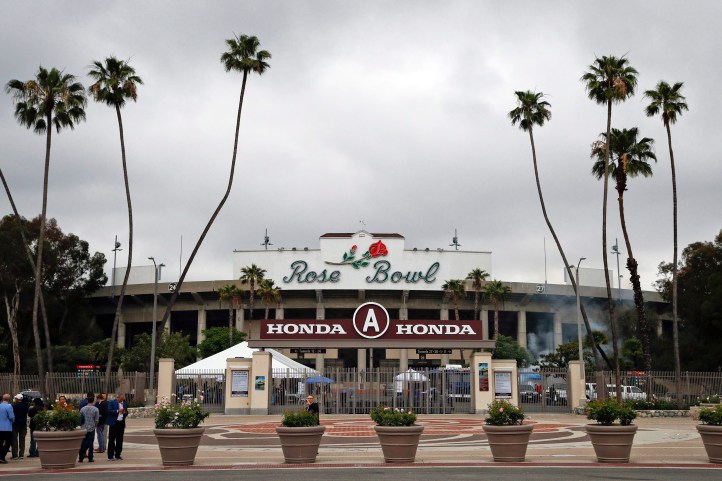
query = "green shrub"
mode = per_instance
[
  {"x": 607, "y": 411},
  {"x": 504, "y": 413},
  {"x": 708, "y": 400},
  {"x": 387, "y": 416},
  {"x": 299, "y": 419},
  {"x": 711, "y": 416},
  {"x": 183, "y": 415},
  {"x": 57, "y": 419}
]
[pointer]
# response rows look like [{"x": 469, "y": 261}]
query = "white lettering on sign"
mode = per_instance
[
  {"x": 438, "y": 329},
  {"x": 305, "y": 329},
  {"x": 371, "y": 321}
]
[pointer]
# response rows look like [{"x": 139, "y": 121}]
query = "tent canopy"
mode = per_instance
[{"x": 217, "y": 362}]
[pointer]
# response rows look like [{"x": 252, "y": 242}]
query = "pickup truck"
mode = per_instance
[{"x": 628, "y": 392}]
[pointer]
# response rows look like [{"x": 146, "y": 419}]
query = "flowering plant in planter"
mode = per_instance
[
  {"x": 606, "y": 411},
  {"x": 299, "y": 419},
  {"x": 388, "y": 416},
  {"x": 504, "y": 413},
  {"x": 711, "y": 416},
  {"x": 185, "y": 415},
  {"x": 57, "y": 419}
]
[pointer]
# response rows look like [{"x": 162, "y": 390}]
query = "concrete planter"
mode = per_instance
[
  {"x": 399, "y": 443},
  {"x": 612, "y": 444},
  {"x": 59, "y": 449},
  {"x": 508, "y": 443},
  {"x": 178, "y": 447},
  {"x": 300, "y": 445},
  {"x": 712, "y": 439}
]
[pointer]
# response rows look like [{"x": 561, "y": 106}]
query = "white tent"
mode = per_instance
[{"x": 217, "y": 362}]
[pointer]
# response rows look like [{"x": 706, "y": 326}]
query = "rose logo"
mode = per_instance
[{"x": 377, "y": 249}]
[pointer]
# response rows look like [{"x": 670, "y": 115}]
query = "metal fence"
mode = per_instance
[
  {"x": 205, "y": 386},
  {"x": 544, "y": 390},
  {"x": 353, "y": 391},
  {"x": 75, "y": 385},
  {"x": 661, "y": 386}
]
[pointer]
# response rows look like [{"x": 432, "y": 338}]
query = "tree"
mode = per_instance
[
  {"x": 477, "y": 277},
  {"x": 532, "y": 110},
  {"x": 699, "y": 284},
  {"x": 115, "y": 82},
  {"x": 630, "y": 158},
  {"x": 495, "y": 291},
  {"x": 269, "y": 294},
  {"x": 454, "y": 291},
  {"x": 230, "y": 293},
  {"x": 670, "y": 102},
  {"x": 52, "y": 98},
  {"x": 216, "y": 340},
  {"x": 251, "y": 275},
  {"x": 609, "y": 80},
  {"x": 507, "y": 348},
  {"x": 242, "y": 56},
  {"x": 172, "y": 345}
]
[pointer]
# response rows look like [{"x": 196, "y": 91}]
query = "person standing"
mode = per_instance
[
  {"x": 87, "y": 400},
  {"x": 89, "y": 415},
  {"x": 7, "y": 416},
  {"x": 101, "y": 432},
  {"x": 20, "y": 427},
  {"x": 312, "y": 407},
  {"x": 115, "y": 419},
  {"x": 37, "y": 407}
]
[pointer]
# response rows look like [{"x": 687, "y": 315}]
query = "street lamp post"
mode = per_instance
[
  {"x": 116, "y": 248},
  {"x": 583, "y": 399},
  {"x": 151, "y": 386}
]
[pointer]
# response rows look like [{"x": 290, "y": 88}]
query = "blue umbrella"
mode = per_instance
[{"x": 319, "y": 380}]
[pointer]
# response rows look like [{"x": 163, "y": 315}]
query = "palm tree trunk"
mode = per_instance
[
  {"x": 456, "y": 310},
  {"x": 675, "y": 323},
  {"x": 230, "y": 325},
  {"x": 610, "y": 301},
  {"x": 171, "y": 302},
  {"x": 39, "y": 259},
  {"x": 496, "y": 322},
  {"x": 642, "y": 327},
  {"x": 11, "y": 309},
  {"x": 476, "y": 303},
  {"x": 252, "y": 290},
  {"x": 119, "y": 307},
  {"x": 587, "y": 325},
  {"x": 29, "y": 253}
]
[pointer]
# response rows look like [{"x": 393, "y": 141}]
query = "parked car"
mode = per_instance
[
  {"x": 628, "y": 392},
  {"x": 591, "y": 391},
  {"x": 528, "y": 394},
  {"x": 29, "y": 395}
]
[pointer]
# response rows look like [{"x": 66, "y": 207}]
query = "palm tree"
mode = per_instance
[
  {"x": 252, "y": 275},
  {"x": 231, "y": 293},
  {"x": 115, "y": 82},
  {"x": 610, "y": 80},
  {"x": 496, "y": 292},
  {"x": 532, "y": 110},
  {"x": 269, "y": 293},
  {"x": 242, "y": 56},
  {"x": 52, "y": 98},
  {"x": 454, "y": 290},
  {"x": 630, "y": 158},
  {"x": 670, "y": 102},
  {"x": 477, "y": 277}
]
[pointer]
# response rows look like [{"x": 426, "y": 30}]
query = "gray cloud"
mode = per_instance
[{"x": 394, "y": 113}]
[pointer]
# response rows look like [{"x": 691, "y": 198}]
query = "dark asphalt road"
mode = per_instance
[{"x": 402, "y": 473}]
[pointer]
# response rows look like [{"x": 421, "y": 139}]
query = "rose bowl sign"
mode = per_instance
[{"x": 370, "y": 326}]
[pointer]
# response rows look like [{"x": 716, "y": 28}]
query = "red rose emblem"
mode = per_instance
[
  {"x": 353, "y": 249},
  {"x": 378, "y": 249}
]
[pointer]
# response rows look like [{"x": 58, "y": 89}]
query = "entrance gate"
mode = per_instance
[
  {"x": 358, "y": 391},
  {"x": 207, "y": 387},
  {"x": 543, "y": 390}
]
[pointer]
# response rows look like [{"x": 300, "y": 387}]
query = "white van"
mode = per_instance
[{"x": 628, "y": 392}]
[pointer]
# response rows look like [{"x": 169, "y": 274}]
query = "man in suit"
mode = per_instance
[{"x": 115, "y": 419}]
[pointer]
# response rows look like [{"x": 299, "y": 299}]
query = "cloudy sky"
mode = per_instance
[{"x": 394, "y": 113}]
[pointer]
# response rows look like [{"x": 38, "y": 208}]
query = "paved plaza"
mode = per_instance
[{"x": 250, "y": 442}]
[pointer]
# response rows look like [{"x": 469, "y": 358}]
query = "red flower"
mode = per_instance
[
  {"x": 353, "y": 249},
  {"x": 378, "y": 249}
]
